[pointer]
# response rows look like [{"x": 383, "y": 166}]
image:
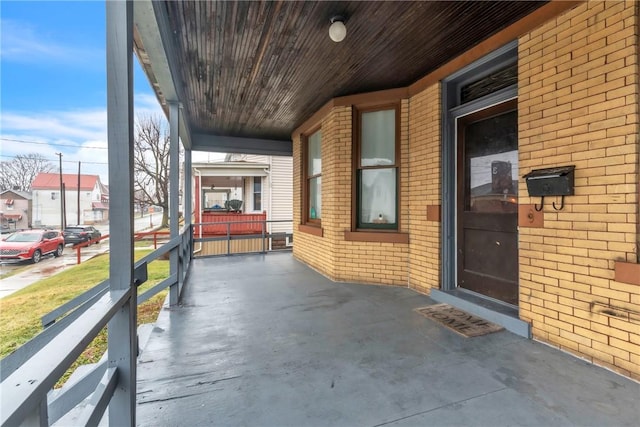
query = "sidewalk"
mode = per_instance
[{"x": 47, "y": 267}]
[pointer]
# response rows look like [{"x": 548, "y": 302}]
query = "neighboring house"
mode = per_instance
[
  {"x": 272, "y": 193},
  {"x": 47, "y": 206},
  {"x": 15, "y": 208},
  {"x": 264, "y": 184}
]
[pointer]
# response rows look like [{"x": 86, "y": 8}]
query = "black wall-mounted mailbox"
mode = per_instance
[{"x": 556, "y": 181}]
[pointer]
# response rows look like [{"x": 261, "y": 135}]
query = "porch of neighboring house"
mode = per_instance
[
  {"x": 226, "y": 233},
  {"x": 11, "y": 221},
  {"x": 230, "y": 216},
  {"x": 279, "y": 344},
  {"x": 98, "y": 213}
]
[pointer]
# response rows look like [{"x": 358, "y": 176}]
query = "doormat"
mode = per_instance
[{"x": 459, "y": 321}]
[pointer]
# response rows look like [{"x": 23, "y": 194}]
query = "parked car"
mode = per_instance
[
  {"x": 80, "y": 234},
  {"x": 31, "y": 245}
]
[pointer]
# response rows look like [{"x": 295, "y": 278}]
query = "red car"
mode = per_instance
[{"x": 31, "y": 245}]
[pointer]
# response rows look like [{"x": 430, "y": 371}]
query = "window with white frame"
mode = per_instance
[{"x": 257, "y": 193}]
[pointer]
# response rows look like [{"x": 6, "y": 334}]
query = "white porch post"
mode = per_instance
[{"x": 122, "y": 340}]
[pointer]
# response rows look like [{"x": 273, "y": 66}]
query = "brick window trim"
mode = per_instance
[
  {"x": 627, "y": 272},
  {"x": 311, "y": 229},
  {"x": 376, "y": 236}
]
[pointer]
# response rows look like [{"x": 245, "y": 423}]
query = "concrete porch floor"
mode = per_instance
[{"x": 266, "y": 341}]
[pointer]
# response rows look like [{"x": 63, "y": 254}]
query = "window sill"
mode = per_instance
[
  {"x": 310, "y": 229},
  {"x": 376, "y": 236}
]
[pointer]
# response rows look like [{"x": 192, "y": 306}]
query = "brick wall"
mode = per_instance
[
  {"x": 578, "y": 104},
  {"x": 365, "y": 262},
  {"x": 424, "y": 189},
  {"x": 370, "y": 262}
]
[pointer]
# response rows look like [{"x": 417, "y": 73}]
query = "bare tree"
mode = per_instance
[
  {"x": 151, "y": 164},
  {"x": 19, "y": 173}
]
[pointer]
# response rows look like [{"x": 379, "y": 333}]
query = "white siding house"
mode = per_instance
[
  {"x": 47, "y": 206},
  {"x": 277, "y": 189},
  {"x": 281, "y": 192}
]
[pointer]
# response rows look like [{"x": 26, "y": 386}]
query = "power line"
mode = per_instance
[
  {"x": 64, "y": 161},
  {"x": 51, "y": 143}
]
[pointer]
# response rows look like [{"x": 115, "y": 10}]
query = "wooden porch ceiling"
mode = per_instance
[{"x": 257, "y": 69}]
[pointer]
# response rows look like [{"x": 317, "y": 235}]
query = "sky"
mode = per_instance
[{"x": 53, "y": 95}]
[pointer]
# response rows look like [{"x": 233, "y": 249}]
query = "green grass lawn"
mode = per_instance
[{"x": 21, "y": 311}]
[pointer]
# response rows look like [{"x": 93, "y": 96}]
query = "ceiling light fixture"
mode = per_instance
[{"x": 337, "y": 30}]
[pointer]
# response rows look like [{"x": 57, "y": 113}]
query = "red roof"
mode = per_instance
[{"x": 51, "y": 181}]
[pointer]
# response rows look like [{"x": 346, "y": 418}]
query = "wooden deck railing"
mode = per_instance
[
  {"x": 240, "y": 235},
  {"x": 215, "y": 223}
]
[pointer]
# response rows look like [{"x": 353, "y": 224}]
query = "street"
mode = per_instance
[
  {"x": 30, "y": 273},
  {"x": 143, "y": 223}
]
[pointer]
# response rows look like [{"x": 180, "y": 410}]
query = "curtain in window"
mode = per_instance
[{"x": 378, "y": 196}]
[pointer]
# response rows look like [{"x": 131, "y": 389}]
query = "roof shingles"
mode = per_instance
[{"x": 51, "y": 181}]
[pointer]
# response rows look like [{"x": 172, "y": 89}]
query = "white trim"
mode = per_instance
[{"x": 240, "y": 169}]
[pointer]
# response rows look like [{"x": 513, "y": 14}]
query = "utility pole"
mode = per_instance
[
  {"x": 64, "y": 205},
  {"x": 78, "y": 222},
  {"x": 61, "y": 194}
]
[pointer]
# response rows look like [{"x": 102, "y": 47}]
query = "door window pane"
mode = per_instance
[
  {"x": 378, "y": 146},
  {"x": 378, "y": 196},
  {"x": 491, "y": 156},
  {"x": 314, "y": 165},
  {"x": 315, "y": 198}
]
